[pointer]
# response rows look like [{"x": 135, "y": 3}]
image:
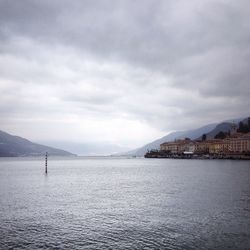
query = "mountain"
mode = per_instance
[
  {"x": 192, "y": 134},
  {"x": 224, "y": 127},
  {"x": 11, "y": 145},
  {"x": 211, "y": 130}
]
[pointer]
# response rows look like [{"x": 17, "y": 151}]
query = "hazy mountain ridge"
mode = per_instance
[
  {"x": 210, "y": 130},
  {"x": 87, "y": 149},
  {"x": 224, "y": 127},
  {"x": 11, "y": 145}
]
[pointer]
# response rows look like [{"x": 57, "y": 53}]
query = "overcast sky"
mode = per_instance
[{"x": 123, "y": 72}]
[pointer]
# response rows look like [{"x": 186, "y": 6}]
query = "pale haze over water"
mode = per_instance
[{"x": 124, "y": 204}]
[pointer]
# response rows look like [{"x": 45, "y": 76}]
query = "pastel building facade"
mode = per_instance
[
  {"x": 178, "y": 146},
  {"x": 236, "y": 144}
]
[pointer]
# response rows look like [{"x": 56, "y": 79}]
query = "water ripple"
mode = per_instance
[{"x": 148, "y": 205}]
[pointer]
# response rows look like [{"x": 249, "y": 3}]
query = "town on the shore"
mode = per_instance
[{"x": 234, "y": 144}]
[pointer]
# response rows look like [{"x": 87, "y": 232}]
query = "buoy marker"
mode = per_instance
[{"x": 46, "y": 163}]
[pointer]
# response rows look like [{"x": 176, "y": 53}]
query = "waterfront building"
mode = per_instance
[
  {"x": 172, "y": 147},
  {"x": 178, "y": 146},
  {"x": 240, "y": 144},
  {"x": 201, "y": 147},
  {"x": 219, "y": 146},
  {"x": 237, "y": 143}
]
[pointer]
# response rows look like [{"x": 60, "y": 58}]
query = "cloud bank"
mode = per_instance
[{"x": 125, "y": 72}]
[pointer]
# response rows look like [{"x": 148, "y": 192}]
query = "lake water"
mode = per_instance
[{"x": 103, "y": 203}]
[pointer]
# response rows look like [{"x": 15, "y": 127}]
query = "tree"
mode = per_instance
[
  {"x": 221, "y": 135},
  {"x": 243, "y": 128},
  {"x": 204, "y": 137}
]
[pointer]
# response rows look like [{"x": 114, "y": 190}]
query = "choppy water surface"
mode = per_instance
[{"x": 124, "y": 204}]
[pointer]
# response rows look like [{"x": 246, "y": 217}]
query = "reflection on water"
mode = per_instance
[{"x": 124, "y": 204}]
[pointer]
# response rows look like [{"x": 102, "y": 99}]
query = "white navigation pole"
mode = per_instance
[{"x": 46, "y": 163}]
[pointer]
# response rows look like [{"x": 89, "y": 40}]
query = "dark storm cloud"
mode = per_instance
[
  {"x": 157, "y": 35},
  {"x": 149, "y": 60}
]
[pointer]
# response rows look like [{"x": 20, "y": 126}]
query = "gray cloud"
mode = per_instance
[{"x": 162, "y": 65}]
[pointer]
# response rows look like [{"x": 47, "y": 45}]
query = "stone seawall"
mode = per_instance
[{"x": 161, "y": 154}]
